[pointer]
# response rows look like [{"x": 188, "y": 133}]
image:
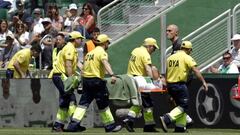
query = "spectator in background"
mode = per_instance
[
  {"x": 34, "y": 4},
  {"x": 5, "y": 4},
  {"x": 56, "y": 18},
  {"x": 87, "y": 18},
  {"x": 172, "y": 35},
  {"x": 4, "y": 31},
  {"x": 8, "y": 52},
  {"x": 90, "y": 44},
  {"x": 228, "y": 67},
  {"x": 21, "y": 15},
  {"x": 37, "y": 21},
  {"x": 71, "y": 20},
  {"x": 12, "y": 7},
  {"x": 48, "y": 40},
  {"x": 236, "y": 50},
  {"x": 21, "y": 35}
]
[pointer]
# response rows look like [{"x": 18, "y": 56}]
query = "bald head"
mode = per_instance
[{"x": 172, "y": 32}]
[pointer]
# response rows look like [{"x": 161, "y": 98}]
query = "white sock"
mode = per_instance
[{"x": 189, "y": 119}]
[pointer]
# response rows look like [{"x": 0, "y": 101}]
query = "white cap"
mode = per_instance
[
  {"x": 47, "y": 20},
  {"x": 236, "y": 37},
  {"x": 10, "y": 35},
  {"x": 73, "y": 6}
]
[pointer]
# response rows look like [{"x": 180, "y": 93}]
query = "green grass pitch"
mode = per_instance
[{"x": 100, "y": 131}]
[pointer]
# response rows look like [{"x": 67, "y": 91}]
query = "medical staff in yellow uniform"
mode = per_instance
[
  {"x": 140, "y": 64},
  {"x": 94, "y": 87},
  {"x": 63, "y": 68},
  {"x": 179, "y": 66}
]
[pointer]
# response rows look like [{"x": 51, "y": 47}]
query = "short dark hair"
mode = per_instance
[
  {"x": 19, "y": 3},
  {"x": 36, "y": 47},
  {"x": 61, "y": 34},
  {"x": 227, "y": 53},
  {"x": 96, "y": 29}
]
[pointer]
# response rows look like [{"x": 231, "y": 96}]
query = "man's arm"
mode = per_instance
[
  {"x": 17, "y": 67},
  {"x": 148, "y": 69},
  {"x": 109, "y": 70},
  {"x": 200, "y": 77},
  {"x": 68, "y": 68},
  {"x": 213, "y": 69}
]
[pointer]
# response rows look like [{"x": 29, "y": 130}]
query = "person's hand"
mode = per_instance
[
  {"x": 75, "y": 24},
  {"x": 68, "y": 14},
  {"x": 113, "y": 79},
  {"x": 16, "y": 36},
  {"x": 23, "y": 75},
  {"x": 213, "y": 69},
  {"x": 36, "y": 37},
  {"x": 205, "y": 86},
  {"x": 15, "y": 19}
]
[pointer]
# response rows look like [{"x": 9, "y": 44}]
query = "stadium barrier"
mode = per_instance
[{"x": 34, "y": 102}]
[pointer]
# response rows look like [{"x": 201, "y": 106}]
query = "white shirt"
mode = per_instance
[
  {"x": 3, "y": 36},
  {"x": 236, "y": 56},
  {"x": 24, "y": 37},
  {"x": 38, "y": 27},
  {"x": 230, "y": 69}
]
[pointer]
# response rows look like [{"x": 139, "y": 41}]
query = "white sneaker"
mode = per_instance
[{"x": 163, "y": 124}]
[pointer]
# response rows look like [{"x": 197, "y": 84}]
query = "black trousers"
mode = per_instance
[
  {"x": 64, "y": 98},
  {"x": 94, "y": 88},
  {"x": 179, "y": 92}
]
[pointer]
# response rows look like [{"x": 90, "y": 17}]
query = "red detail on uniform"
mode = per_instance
[{"x": 236, "y": 91}]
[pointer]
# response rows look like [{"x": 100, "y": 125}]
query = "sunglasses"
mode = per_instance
[
  {"x": 85, "y": 8},
  {"x": 168, "y": 30},
  {"x": 226, "y": 58},
  {"x": 20, "y": 27}
]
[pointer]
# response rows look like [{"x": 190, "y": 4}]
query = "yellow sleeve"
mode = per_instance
[
  {"x": 69, "y": 55},
  {"x": 21, "y": 58},
  {"x": 104, "y": 56},
  {"x": 146, "y": 59}
]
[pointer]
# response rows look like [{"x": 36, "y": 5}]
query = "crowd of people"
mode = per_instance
[
  {"x": 53, "y": 41},
  {"x": 25, "y": 30}
]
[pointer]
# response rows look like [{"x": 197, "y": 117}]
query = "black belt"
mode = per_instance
[
  {"x": 10, "y": 70},
  {"x": 57, "y": 74},
  {"x": 177, "y": 83}
]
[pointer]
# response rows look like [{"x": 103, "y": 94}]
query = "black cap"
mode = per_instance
[
  {"x": 36, "y": 47},
  {"x": 19, "y": 3}
]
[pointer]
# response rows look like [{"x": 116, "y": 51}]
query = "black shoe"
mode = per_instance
[
  {"x": 74, "y": 126},
  {"x": 149, "y": 128},
  {"x": 79, "y": 129},
  {"x": 113, "y": 128},
  {"x": 57, "y": 127},
  {"x": 180, "y": 129},
  {"x": 163, "y": 124},
  {"x": 128, "y": 125},
  {"x": 189, "y": 124}
]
